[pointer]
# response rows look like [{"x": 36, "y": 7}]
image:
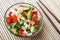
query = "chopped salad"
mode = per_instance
[{"x": 26, "y": 23}]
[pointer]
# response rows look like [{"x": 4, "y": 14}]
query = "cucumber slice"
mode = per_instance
[
  {"x": 21, "y": 21},
  {"x": 33, "y": 29},
  {"x": 10, "y": 26},
  {"x": 23, "y": 28},
  {"x": 23, "y": 18},
  {"x": 29, "y": 14},
  {"x": 19, "y": 15},
  {"x": 17, "y": 25},
  {"x": 26, "y": 8},
  {"x": 14, "y": 31}
]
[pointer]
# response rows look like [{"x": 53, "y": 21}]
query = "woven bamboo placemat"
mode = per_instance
[{"x": 47, "y": 33}]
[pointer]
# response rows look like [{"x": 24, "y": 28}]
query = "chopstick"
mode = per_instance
[
  {"x": 49, "y": 18},
  {"x": 51, "y": 12}
]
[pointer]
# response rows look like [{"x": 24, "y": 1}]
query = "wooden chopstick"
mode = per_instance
[
  {"x": 49, "y": 18},
  {"x": 51, "y": 12}
]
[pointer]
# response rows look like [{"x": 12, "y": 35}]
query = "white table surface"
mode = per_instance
[{"x": 48, "y": 32}]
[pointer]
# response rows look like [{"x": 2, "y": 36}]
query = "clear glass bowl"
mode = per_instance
[{"x": 22, "y": 3}]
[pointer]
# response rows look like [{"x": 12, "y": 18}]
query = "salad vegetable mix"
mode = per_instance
[{"x": 25, "y": 23}]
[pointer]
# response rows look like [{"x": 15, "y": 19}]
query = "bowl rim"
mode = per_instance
[{"x": 28, "y": 4}]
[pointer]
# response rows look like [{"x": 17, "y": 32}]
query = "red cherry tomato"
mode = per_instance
[
  {"x": 34, "y": 12},
  {"x": 14, "y": 18},
  {"x": 34, "y": 22},
  {"x": 11, "y": 18},
  {"x": 20, "y": 32},
  {"x": 34, "y": 15},
  {"x": 8, "y": 20}
]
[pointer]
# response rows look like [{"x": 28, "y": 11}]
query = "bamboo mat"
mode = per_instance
[{"x": 47, "y": 33}]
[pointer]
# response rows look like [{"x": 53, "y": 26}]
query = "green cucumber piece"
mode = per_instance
[
  {"x": 33, "y": 29},
  {"x": 26, "y": 8},
  {"x": 23, "y": 18},
  {"x": 14, "y": 31},
  {"x": 10, "y": 25},
  {"x": 17, "y": 25},
  {"x": 19, "y": 15},
  {"x": 29, "y": 14},
  {"x": 23, "y": 28},
  {"x": 21, "y": 21}
]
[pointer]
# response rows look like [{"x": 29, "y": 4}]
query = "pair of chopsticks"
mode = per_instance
[{"x": 48, "y": 16}]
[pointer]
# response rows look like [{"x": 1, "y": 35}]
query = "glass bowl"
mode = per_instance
[{"x": 25, "y": 4}]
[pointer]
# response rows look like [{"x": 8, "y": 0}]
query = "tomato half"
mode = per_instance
[
  {"x": 8, "y": 20},
  {"x": 11, "y": 18},
  {"x": 20, "y": 32},
  {"x": 34, "y": 22},
  {"x": 34, "y": 15},
  {"x": 34, "y": 12},
  {"x": 14, "y": 18}
]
